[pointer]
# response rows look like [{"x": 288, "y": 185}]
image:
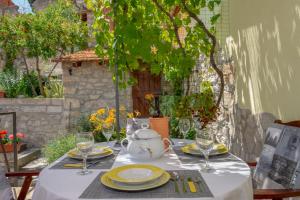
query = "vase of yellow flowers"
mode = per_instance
[{"x": 103, "y": 118}]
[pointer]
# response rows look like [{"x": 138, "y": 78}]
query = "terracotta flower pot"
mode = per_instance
[
  {"x": 10, "y": 148},
  {"x": 2, "y": 94},
  {"x": 160, "y": 125}
]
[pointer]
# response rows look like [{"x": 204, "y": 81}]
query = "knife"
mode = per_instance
[
  {"x": 191, "y": 185},
  {"x": 80, "y": 165}
]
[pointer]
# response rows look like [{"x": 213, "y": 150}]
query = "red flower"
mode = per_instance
[
  {"x": 3, "y": 132},
  {"x": 20, "y": 135}
]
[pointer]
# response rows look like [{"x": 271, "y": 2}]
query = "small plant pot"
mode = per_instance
[
  {"x": 160, "y": 125},
  {"x": 10, "y": 148},
  {"x": 2, "y": 94}
]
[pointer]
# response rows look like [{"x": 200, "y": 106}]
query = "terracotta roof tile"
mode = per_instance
[
  {"x": 86, "y": 55},
  {"x": 6, "y": 3}
]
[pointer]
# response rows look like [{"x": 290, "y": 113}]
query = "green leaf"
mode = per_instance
[{"x": 214, "y": 19}]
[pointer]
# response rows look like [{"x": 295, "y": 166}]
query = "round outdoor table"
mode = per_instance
[{"x": 231, "y": 179}]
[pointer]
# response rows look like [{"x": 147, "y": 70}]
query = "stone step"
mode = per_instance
[
  {"x": 37, "y": 164},
  {"x": 28, "y": 155},
  {"x": 24, "y": 157}
]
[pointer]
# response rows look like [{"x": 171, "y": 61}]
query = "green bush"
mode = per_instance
[
  {"x": 9, "y": 82},
  {"x": 25, "y": 84},
  {"x": 15, "y": 83},
  {"x": 58, "y": 147},
  {"x": 175, "y": 133},
  {"x": 54, "y": 89}
]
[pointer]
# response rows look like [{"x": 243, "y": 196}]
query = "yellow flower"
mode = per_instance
[
  {"x": 149, "y": 97},
  {"x": 111, "y": 113},
  {"x": 153, "y": 50},
  {"x": 182, "y": 34},
  {"x": 101, "y": 111},
  {"x": 93, "y": 118},
  {"x": 184, "y": 15},
  {"x": 137, "y": 113},
  {"x": 130, "y": 115}
]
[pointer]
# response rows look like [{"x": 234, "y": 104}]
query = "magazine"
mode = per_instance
[{"x": 279, "y": 164}]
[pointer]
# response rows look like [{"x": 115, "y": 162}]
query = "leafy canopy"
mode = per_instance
[
  {"x": 44, "y": 34},
  {"x": 140, "y": 32}
]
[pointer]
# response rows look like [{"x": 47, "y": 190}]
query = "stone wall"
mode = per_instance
[
  {"x": 86, "y": 89},
  {"x": 249, "y": 132},
  {"x": 39, "y": 119},
  {"x": 90, "y": 87}
]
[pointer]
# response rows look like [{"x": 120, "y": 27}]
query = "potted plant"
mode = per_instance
[
  {"x": 157, "y": 122},
  {"x": 7, "y": 141},
  {"x": 2, "y": 92}
]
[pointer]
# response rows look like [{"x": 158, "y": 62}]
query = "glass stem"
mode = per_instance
[
  {"x": 84, "y": 167},
  {"x": 206, "y": 161}
]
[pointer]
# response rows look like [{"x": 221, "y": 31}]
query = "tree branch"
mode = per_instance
[
  {"x": 55, "y": 65},
  {"x": 175, "y": 27},
  {"x": 212, "y": 50}
]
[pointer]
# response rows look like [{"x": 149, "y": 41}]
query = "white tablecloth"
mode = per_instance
[{"x": 230, "y": 181}]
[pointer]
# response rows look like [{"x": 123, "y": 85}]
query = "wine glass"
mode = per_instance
[
  {"x": 84, "y": 143},
  {"x": 205, "y": 142},
  {"x": 107, "y": 131},
  {"x": 223, "y": 137},
  {"x": 184, "y": 127}
]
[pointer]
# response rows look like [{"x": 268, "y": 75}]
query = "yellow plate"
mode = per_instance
[
  {"x": 98, "y": 152},
  {"x": 135, "y": 173},
  {"x": 194, "y": 150},
  {"x": 105, "y": 180}
]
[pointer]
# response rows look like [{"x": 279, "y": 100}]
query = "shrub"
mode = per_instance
[
  {"x": 58, "y": 147},
  {"x": 54, "y": 89},
  {"x": 9, "y": 82},
  {"x": 25, "y": 84},
  {"x": 15, "y": 83}
]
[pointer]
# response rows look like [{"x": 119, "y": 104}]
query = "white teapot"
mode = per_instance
[{"x": 145, "y": 144}]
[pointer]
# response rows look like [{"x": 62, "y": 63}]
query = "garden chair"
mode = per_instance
[
  {"x": 6, "y": 189},
  {"x": 273, "y": 156}
]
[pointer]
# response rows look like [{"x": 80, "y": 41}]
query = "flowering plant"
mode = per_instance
[
  {"x": 153, "y": 102},
  {"x": 103, "y": 117},
  {"x": 8, "y": 139},
  {"x": 107, "y": 117}
]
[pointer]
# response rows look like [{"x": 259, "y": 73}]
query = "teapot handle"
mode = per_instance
[
  {"x": 170, "y": 143},
  {"x": 122, "y": 145}
]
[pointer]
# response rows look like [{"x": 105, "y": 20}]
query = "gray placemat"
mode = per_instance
[
  {"x": 194, "y": 159},
  {"x": 96, "y": 190},
  {"x": 105, "y": 163}
]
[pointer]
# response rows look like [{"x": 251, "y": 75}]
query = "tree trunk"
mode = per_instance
[
  {"x": 212, "y": 50},
  {"x": 27, "y": 72},
  {"x": 40, "y": 77}
]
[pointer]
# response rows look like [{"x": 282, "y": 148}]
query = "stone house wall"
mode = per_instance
[{"x": 88, "y": 88}]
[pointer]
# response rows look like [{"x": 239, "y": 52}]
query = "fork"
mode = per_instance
[
  {"x": 183, "y": 183},
  {"x": 197, "y": 180},
  {"x": 94, "y": 163},
  {"x": 175, "y": 178}
]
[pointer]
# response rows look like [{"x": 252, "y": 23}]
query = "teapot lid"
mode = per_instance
[{"x": 145, "y": 133}]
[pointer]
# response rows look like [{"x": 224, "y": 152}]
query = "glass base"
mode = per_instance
[
  {"x": 82, "y": 172},
  {"x": 207, "y": 169}
]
